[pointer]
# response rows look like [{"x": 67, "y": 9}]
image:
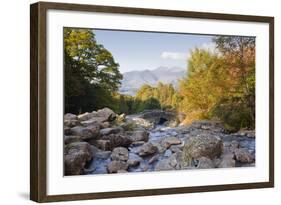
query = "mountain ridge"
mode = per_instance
[{"x": 133, "y": 80}]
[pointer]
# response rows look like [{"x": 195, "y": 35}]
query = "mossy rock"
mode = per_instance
[
  {"x": 129, "y": 126},
  {"x": 201, "y": 146}
]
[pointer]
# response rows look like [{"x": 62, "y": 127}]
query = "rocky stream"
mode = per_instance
[{"x": 103, "y": 142}]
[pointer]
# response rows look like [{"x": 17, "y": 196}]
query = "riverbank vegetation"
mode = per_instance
[{"x": 219, "y": 84}]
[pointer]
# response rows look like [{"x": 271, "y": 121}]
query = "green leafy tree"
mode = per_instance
[
  {"x": 151, "y": 103},
  {"x": 165, "y": 95},
  {"x": 204, "y": 85},
  {"x": 91, "y": 74}
]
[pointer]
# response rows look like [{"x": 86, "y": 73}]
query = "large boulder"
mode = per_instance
[
  {"x": 75, "y": 157},
  {"x": 104, "y": 125},
  {"x": 116, "y": 166},
  {"x": 70, "y": 123},
  {"x": 106, "y": 113},
  {"x": 120, "y": 154},
  {"x": 95, "y": 129},
  {"x": 205, "y": 163},
  {"x": 147, "y": 149},
  {"x": 140, "y": 135},
  {"x": 104, "y": 145},
  {"x": 128, "y": 125},
  {"x": 243, "y": 155},
  {"x": 70, "y": 120},
  {"x": 111, "y": 130},
  {"x": 202, "y": 146},
  {"x": 94, "y": 120},
  {"x": 72, "y": 138},
  {"x": 90, "y": 132},
  {"x": 167, "y": 142},
  {"x": 70, "y": 116},
  {"x": 117, "y": 140},
  {"x": 86, "y": 116},
  {"x": 99, "y": 116},
  {"x": 85, "y": 133}
]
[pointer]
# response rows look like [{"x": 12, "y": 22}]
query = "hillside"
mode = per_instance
[{"x": 133, "y": 80}]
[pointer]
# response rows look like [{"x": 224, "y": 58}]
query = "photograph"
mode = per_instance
[
  {"x": 149, "y": 101},
  {"x": 132, "y": 101}
]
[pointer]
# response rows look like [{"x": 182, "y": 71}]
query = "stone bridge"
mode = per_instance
[{"x": 158, "y": 117}]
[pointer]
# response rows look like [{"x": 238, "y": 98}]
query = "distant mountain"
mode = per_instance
[{"x": 133, "y": 80}]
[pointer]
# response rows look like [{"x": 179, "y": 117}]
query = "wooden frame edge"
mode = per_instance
[
  {"x": 153, "y": 12},
  {"x": 155, "y": 192},
  {"x": 34, "y": 103},
  {"x": 271, "y": 101},
  {"x": 38, "y": 177},
  {"x": 37, "y": 102}
]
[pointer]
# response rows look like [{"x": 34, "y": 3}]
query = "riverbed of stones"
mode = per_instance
[{"x": 103, "y": 142}]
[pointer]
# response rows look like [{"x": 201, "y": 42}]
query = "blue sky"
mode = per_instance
[{"x": 146, "y": 50}]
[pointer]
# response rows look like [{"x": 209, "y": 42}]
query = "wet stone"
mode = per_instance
[{"x": 168, "y": 153}]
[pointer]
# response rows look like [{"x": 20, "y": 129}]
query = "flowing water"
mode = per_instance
[
  {"x": 99, "y": 164},
  {"x": 156, "y": 135}
]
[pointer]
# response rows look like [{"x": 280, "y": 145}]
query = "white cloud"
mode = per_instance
[
  {"x": 211, "y": 47},
  {"x": 174, "y": 55}
]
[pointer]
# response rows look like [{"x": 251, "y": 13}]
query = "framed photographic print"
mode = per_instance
[{"x": 134, "y": 102}]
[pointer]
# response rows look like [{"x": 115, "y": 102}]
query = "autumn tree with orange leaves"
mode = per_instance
[{"x": 221, "y": 84}]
